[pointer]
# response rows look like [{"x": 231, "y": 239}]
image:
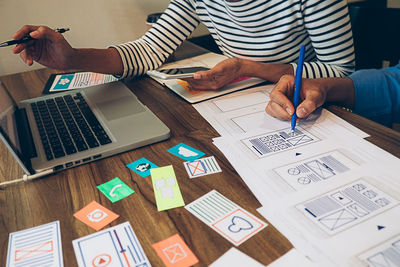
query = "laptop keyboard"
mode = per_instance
[{"x": 67, "y": 125}]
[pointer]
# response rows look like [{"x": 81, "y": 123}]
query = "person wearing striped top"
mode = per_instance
[{"x": 262, "y": 38}]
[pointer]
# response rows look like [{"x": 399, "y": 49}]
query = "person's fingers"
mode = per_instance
[
  {"x": 24, "y": 31},
  {"x": 309, "y": 104},
  {"x": 203, "y": 84},
  {"x": 201, "y": 75},
  {"x": 277, "y": 111},
  {"x": 279, "y": 95},
  {"x": 26, "y": 57},
  {"x": 19, "y": 47}
]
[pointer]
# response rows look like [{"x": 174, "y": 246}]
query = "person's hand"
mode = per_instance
[
  {"x": 49, "y": 49},
  {"x": 313, "y": 95},
  {"x": 215, "y": 78}
]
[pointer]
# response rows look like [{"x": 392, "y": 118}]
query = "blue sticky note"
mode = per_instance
[
  {"x": 186, "y": 152},
  {"x": 142, "y": 166}
]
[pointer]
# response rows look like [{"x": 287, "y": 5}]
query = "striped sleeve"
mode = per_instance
[
  {"x": 148, "y": 52},
  {"x": 329, "y": 29}
]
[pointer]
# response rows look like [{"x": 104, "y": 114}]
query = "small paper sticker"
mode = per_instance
[{"x": 95, "y": 215}]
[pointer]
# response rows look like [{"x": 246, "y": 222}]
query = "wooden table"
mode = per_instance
[{"x": 59, "y": 196}]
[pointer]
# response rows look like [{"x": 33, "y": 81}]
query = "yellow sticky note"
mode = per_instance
[{"x": 166, "y": 189}]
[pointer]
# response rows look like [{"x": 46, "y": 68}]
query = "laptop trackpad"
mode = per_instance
[{"x": 119, "y": 107}]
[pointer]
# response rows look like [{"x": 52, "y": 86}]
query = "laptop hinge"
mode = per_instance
[{"x": 25, "y": 135}]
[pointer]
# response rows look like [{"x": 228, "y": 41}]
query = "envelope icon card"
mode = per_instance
[
  {"x": 173, "y": 251},
  {"x": 25, "y": 248}
]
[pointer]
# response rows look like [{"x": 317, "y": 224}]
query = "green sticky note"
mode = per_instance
[
  {"x": 166, "y": 189},
  {"x": 115, "y": 190}
]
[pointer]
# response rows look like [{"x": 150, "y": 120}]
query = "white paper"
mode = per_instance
[
  {"x": 37, "y": 246},
  {"x": 346, "y": 224},
  {"x": 115, "y": 246},
  {"x": 201, "y": 167},
  {"x": 225, "y": 217},
  {"x": 292, "y": 258},
  {"x": 244, "y": 111},
  {"x": 234, "y": 257}
]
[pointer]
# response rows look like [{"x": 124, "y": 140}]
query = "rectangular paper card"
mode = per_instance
[
  {"x": 115, "y": 246},
  {"x": 115, "y": 189},
  {"x": 234, "y": 257},
  {"x": 226, "y": 217},
  {"x": 166, "y": 189},
  {"x": 37, "y": 246},
  {"x": 95, "y": 215},
  {"x": 174, "y": 252},
  {"x": 142, "y": 167},
  {"x": 201, "y": 167},
  {"x": 186, "y": 152}
]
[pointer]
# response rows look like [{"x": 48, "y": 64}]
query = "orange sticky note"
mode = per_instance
[
  {"x": 95, "y": 215},
  {"x": 173, "y": 251}
]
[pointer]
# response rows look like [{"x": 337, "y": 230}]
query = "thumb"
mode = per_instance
[
  {"x": 306, "y": 108},
  {"x": 203, "y": 75}
]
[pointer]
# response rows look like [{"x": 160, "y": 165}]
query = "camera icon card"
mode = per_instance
[
  {"x": 95, "y": 215},
  {"x": 142, "y": 167}
]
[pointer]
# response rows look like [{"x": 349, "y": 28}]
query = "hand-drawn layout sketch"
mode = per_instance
[
  {"x": 386, "y": 254},
  {"x": 276, "y": 142},
  {"x": 344, "y": 207},
  {"x": 316, "y": 169},
  {"x": 201, "y": 167},
  {"x": 115, "y": 246},
  {"x": 37, "y": 246},
  {"x": 226, "y": 217}
]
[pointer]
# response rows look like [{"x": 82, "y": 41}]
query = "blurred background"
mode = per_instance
[{"x": 99, "y": 23}]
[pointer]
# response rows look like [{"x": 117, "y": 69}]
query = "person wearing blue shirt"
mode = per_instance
[{"x": 372, "y": 93}]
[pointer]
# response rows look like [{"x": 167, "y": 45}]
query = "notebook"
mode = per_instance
[
  {"x": 191, "y": 55},
  {"x": 60, "y": 131}
]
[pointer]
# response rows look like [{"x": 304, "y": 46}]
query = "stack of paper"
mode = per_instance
[{"x": 330, "y": 192}]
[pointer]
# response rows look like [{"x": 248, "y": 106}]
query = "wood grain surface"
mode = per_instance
[{"x": 59, "y": 196}]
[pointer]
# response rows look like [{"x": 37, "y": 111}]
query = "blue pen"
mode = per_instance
[{"x": 297, "y": 85}]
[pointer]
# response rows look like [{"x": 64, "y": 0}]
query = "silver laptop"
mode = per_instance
[{"x": 60, "y": 131}]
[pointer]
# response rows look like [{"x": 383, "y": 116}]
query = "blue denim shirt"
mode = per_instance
[{"x": 377, "y": 94}]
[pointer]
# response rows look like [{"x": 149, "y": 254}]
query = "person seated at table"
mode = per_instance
[
  {"x": 372, "y": 93},
  {"x": 253, "y": 30}
]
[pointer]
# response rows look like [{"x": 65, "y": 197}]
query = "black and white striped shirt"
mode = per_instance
[{"x": 259, "y": 30}]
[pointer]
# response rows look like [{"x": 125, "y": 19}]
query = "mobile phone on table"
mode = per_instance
[{"x": 175, "y": 73}]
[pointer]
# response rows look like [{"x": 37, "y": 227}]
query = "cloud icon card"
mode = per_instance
[{"x": 186, "y": 152}]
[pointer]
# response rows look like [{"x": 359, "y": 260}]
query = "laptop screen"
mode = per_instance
[{"x": 8, "y": 124}]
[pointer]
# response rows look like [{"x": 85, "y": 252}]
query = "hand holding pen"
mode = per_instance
[
  {"x": 43, "y": 45},
  {"x": 297, "y": 85},
  {"x": 28, "y": 38}
]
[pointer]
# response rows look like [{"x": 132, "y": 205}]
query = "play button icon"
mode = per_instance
[{"x": 101, "y": 260}]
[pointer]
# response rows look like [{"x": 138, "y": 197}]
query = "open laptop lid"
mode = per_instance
[{"x": 9, "y": 130}]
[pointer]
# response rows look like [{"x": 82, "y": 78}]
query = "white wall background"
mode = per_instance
[{"x": 93, "y": 23}]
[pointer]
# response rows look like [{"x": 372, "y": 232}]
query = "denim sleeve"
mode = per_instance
[{"x": 377, "y": 94}]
